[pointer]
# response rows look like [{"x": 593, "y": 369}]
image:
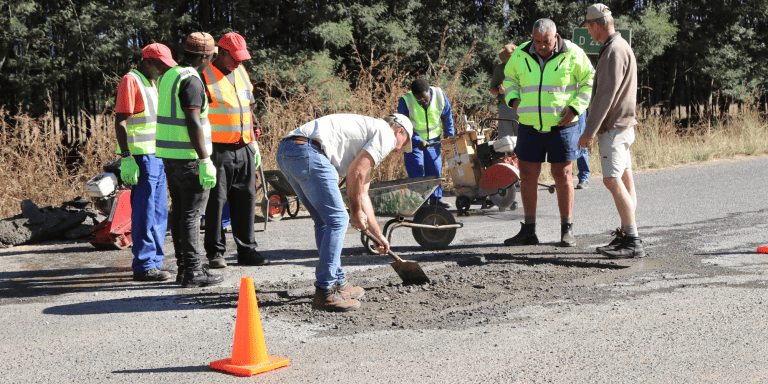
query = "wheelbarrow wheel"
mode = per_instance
[
  {"x": 433, "y": 239},
  {"x": 276, "y": 211},
  {"x": 462, "y": 205}
]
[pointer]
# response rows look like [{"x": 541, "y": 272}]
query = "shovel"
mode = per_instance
[{"x": 409, "y": 271}]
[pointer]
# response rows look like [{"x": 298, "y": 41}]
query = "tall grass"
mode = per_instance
[{"x": 34, "y": 164}]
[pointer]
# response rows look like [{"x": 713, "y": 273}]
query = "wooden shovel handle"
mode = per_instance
[{"x": 389, "y": 252}]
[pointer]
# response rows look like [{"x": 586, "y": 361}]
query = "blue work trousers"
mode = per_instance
[
  {"x": 149, "y": 214},
  {"x": 583, "y": 161},
  {"x": 426, "y": 163},
  {"x": 315, "y": 182}
]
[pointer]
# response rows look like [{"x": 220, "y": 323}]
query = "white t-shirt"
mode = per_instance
[{"x": 343, "y": 136}]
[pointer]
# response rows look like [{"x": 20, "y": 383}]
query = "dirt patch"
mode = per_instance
[{"x": 470, "y": 290}]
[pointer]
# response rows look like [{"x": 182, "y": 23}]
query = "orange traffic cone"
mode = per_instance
[
  {"x": 763, "y": 249},
  {"x": 249, "y": 353}
]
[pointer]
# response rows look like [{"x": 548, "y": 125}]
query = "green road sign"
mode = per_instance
[{"x": 582, "y": 38}]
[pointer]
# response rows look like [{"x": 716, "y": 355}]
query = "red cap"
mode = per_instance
[
  {"x": 159, "y": 51},
  {"x": 235, "y": 44}
]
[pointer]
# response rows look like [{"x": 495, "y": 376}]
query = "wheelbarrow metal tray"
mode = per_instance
[
  {"x": 279, "y": 182},
  {"x": 400, "y": 197}
]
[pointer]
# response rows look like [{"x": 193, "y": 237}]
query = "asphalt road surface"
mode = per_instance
[{"x": 694, "y": 310}]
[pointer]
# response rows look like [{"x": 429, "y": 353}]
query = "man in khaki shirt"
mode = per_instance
[{"x": 612, "y": 119}]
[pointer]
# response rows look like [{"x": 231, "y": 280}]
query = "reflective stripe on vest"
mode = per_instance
[
  {"x": 172, "y": 135},
  {"x": 427, "y": 125},
  {"x": 229, "y": 111},
  {"x": 140, "y": 127}
]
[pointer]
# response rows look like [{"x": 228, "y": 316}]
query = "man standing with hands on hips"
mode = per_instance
[
  {"x": 235, "y": 153},
  {"x": 184, "y": 143},
  {"x": 612, "y": 119},
  {"x": 135, "y": 126}
]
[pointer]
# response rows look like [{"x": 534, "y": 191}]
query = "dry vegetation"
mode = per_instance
[{"x": 36, "y": 165}]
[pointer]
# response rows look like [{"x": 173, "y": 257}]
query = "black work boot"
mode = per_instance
[
  {"x": 330, "y": 300},
  {"x": 253, "y": 257},
  {"x": 200, "y": 278},
  {"x": 217, "y": 261},
  {"x": 617, "y": 239},
  {"x": 566, "y": 235},
  {"x": 630, "y": 247},
  {"x": 526, "y": 236},
  {"x": 153, "y": 274}
]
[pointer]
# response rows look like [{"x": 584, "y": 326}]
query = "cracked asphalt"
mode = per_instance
[{"x": 694, "y": 310}]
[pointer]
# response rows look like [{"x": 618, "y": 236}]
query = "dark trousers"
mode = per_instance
[
  {"x": 188, "y": 199},
  {"x": 235, "y": 181}
]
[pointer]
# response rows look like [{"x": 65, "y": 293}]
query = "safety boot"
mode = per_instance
[
  {"x": 200, "y": 278},
  {"x": 566, "y": 235},
  {"x": 526, "y": 236},
  {"x": 348, "y": 291},
  {"x": 252, "y": 258},
  {"x": 217, "y": 261},
  {"x": 630, "y": 247},
  {"x": 618, "y": 237},
  {"x": 153, "y": 274},
  {"x": 330, "y": 300}
]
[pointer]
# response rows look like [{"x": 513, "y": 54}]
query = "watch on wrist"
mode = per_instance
[{"x": 125, "y": 154}]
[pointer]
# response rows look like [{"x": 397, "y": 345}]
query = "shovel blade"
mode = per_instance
[{"x": 410, "y": 272}]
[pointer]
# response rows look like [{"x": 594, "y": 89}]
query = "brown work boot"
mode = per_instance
[
  {"x": 330, "y": 300},
  {"x": 566, "y": 235},
  {"x": 618, "y": 239},
  {"x": 347, "y": 291}
]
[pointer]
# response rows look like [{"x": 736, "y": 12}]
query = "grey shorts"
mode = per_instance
[{"x": 614, "y": 151}]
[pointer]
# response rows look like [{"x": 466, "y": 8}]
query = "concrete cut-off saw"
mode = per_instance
[{"x": 113, "y": 198}]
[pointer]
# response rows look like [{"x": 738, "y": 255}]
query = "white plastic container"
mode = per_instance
[
  {"x": 505, "y": 144},
  {"x": 102, "y": 185}
]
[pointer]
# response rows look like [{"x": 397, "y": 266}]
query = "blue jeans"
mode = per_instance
[
  {"x": 149, "y": 214},
  {"x": 583, "y": 161},
  {"x": 315, "y": 182},
  {"x": 426, "y": 163}
]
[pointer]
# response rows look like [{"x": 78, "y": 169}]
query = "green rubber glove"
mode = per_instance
[
  {"x": 256, "y": 154},
  {"x": 207, "y": 173},
  {"x": 129, "y": 170}
]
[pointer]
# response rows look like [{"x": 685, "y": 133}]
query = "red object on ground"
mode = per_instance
[
  {"x": 115, "y": 231},
  {"x": 763, "y": 249},
  {"x": 499, "y": 176}
]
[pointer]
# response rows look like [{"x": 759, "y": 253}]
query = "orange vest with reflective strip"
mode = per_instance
[{"x": 229, "y": 111}]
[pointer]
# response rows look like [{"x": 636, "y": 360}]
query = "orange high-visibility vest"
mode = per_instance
[{"x": 229, "y": 111}]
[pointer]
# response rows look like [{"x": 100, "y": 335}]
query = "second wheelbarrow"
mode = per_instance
[
  {"x": 280, "y": 198},
  {"x": 433, "y": 227}
]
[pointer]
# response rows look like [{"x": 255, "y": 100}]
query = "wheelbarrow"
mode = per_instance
[
  {"x": 280, "y": 198},
  {"x": 433, "y": 227}
]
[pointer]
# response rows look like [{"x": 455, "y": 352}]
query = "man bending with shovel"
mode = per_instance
[{"x": 312, "y": 158}]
